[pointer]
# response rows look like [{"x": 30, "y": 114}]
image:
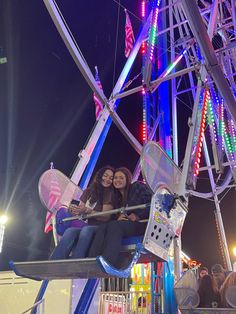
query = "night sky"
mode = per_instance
[{"x": 47, "y": 113}]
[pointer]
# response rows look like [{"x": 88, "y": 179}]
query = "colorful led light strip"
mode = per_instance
[
  {"x": 143, "y": 14},
  {"x": 221, "y": 123},
  {"x": 143, "y": 8},
  {"x": 153, "y": 30},
  {"x": 228, "y": 145},
  {"x": 144, "y": 125},
  {"x": 201, "y": 133},
  {"x": 143, "y": 47},
  {"x": 144, "y": 131},
  {"x": 211, "y": 121},
  {"x": 218, "y": 112},
  {"x": 171, "y": 66},
  {"x": 199, "y": 114},
  {"x": 232, "y": 133},
  {"x": 225, "y": 134},
  {"x": 226, "y": 137},
  {"x": 143, "y": 52}
]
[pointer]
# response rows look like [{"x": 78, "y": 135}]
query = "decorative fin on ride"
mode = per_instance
[{"x": 122, "y": 273}]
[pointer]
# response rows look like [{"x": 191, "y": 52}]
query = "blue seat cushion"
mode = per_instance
[{"x": 132, "y": 240}]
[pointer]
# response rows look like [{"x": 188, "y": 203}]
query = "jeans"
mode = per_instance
[
  {"x": 96, "y": 248},
  {"x": 75, "y": 241},
  {"x": 107, "y": 241},
  {"x": 85, "y": 238}
]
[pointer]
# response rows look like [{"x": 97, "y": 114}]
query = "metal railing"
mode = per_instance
[{"x": 135, "y": 302}]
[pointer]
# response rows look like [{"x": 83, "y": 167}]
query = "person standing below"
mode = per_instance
[
  {"x": 219, "y": 274},
  {"x": 98, "y": 197},
  {"x": 202, "y": 272},
  {"x": 208, "y": 293},
  {"x": 108, "y": 238}
]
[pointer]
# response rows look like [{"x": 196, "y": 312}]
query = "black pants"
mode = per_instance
[{"x": 108, "y": 238}]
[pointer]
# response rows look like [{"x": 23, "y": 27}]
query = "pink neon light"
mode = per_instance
[
  {"x": 143, "y": 9},
  {"x": 144, "y": 131},
  {"x": 202, "y": 128}
]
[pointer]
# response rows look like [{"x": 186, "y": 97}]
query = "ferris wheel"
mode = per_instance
[
  {"x": 188, "y": 53},
  {"x": 188, "y": 60}
]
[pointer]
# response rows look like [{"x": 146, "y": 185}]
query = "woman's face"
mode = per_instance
[
  {"x": 107, "y": 178},
  {"x": 119, "y": 180}
]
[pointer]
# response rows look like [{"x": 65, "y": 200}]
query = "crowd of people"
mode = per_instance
[
  {"x": 212, "y": 287},
  {"x": 110, "y": 189}
]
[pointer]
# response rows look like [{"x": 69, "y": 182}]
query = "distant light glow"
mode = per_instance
[
  {"x": 2, "y": 230},
  {"x": 185, "y": 256},
  {"x": 3, "y": 219}
]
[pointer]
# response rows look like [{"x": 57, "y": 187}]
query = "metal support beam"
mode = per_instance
[
  {"x": 218, "y": 216},
  {"x": 154, "y": 84},
  {"x": 83, "y": 67},
  {"x": 192, "y": 126},
  {"x": 137, "y": 169},
  {"x": 200, "y": 33},
  {"x": 233, "y": 6},
  {"x": 213, "y": 18},
  {"x": 87, "y": 296}
]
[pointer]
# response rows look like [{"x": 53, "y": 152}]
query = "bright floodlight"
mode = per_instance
[
  {"x": 234, "y": 251},
  {"x": 3, "y": 219}
]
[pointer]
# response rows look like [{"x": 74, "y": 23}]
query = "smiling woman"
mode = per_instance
[{"x": 97, "y": 198}]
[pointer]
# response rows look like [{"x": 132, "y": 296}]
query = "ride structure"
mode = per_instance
[{"x": 194, "y": 44}]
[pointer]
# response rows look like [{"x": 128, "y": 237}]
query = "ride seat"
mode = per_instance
[
  {"x": 132, "y": 241},
  {"x": 231, "y": 296}
]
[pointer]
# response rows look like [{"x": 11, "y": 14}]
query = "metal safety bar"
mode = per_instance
[{"x": 113, "y": 211}]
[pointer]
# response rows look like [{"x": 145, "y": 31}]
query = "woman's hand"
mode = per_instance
[
  {"x": 77, "y": 209},
  {"x": 133, "y": 217},
  {"x": 122, "y": 217}
]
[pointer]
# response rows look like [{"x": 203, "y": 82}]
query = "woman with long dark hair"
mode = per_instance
[
  {"x": 208, "y": 293},
  {"x": 98, "y": 197}
]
